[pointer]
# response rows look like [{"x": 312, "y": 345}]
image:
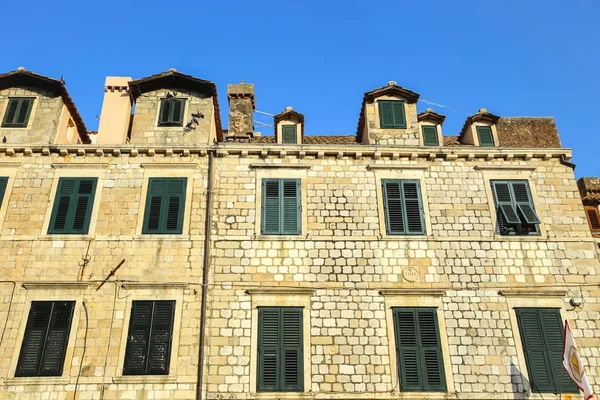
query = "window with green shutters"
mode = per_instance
[
  {"x": 403, "y": 207},
  {"x": 46, "y": 338},
  {"x": 514, "y": 208},
  {"x": 171, "y": 112},
  {"x": 485, "y": 136},
  {"x": 280, "y": 350},
  {"x": 541, "y": 332},
  {"x": 3, "y": 184},
  {"x": 430, "y": 135},
  {"x": 165, "y": 205},
  {"x": 281, "y": 207},
  {"x": 288, "y": 134},
  {"x": 418, "y": 350},
  {"x": 73, "y": 206},
  {"x": 17, "y": 112},
  {"x": 391, "y": 114},
  {"x": 148, "y": 350}
]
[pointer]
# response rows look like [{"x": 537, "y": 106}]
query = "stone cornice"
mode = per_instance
[
  {"x": 80, "y": 165},
  {"x": 506, "y": 167},
  {"x": 169, "y": 165},
  {"x": 281, "y": 290},
  {"x": 55, "y": 285},
  {"x": 372, "y": 167},
  {"x": 282, "y": 166},
  {"x": 528, "y": 292},
  {"x": 154, "y": 285},
  {"x": 415, "y": 291}
]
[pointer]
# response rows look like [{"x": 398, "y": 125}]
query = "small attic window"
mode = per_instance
[
  {"x": 17, "y": 112},
  {"x": 430, "y": 135},
  {"x": 171, "y": 112},
  {"x": 485, "y": 136},
  {"x": 391, "y": 114},
  {"x": 288, "y": 134}
]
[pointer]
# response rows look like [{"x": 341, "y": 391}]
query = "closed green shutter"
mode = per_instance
[
  {"x": 3, "y": 184},
  {"x": 165, "y": 206},
  {"x": 149, "y": 338},
  {"x": 46, "y": 337},
  {"x": 289, "y": 134},
  {"x": 486, "y": 138},
  {"x": 430, "y": 136},
  {"x": 281, "y": 207},
  {"x": 73, "y": 206},
  {"x": 391, "y": 114},
  {"x": 171, "y": 112},
  {"x": 17, "y": 112},
  {"x": 418, "y": 350},
  {"x": 542, "y": 338},
  {"x": 403, "y": 207},
  {"x": 514, "y": 207},
  {"x": 280, "y": 350}
]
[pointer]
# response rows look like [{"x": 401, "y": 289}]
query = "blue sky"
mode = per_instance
[{"x": 516, "y": 58}]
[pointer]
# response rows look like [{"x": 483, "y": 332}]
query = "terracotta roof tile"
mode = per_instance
[
  {"x": 528, "y": 132},
  {"x": 589, "y": 189},
  {"x": 349, "y": 139}
]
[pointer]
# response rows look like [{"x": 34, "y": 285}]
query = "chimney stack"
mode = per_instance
[
  {"x": 241, "y": 108},
  {"x": 116, "y": 111}
]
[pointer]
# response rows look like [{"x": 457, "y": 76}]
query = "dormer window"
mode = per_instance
[
  {"x": 430, "y": 135},
  {"x": 485, "y": 136},
  {"x": 17, "y": 112},
  {"x": 289, "y": 134},
  {"x": 391, "y": 114},
  {"x": 171, "y": 112},
  {"x": 289, "y": 126}
]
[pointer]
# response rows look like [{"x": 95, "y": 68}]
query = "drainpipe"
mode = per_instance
[
  {"x": 563, "y": 161},
  {"x": 207, "y": 229}
]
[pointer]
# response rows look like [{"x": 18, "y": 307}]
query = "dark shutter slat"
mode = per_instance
[
  {"x": 138, "y": 338},
  {"x": 413, "y": 209},
  {"x": 592, "y": 215},
  {"x": 159, "y": 353},
  {"x": 178, "y": 107},
  {"x": 431, "y": 351},
  {"x": 84, "y": 204},
  {"x": 23, "y": 113},
  {"x": 292, "y": 349},
  {"x": 57, "y": 339},
  {"x": 521, "y": 192},
  {"x": 157, "y": 189},
  {"x": 552, "y": 326},
  {"x": 73, "y": 205},
  {"x": 165, "y": 110},
  {"x": 430, "y": 136},
  {"x": 532, "y": 336},
  {"x": 268, "y": 349},
  {"x": 398, "y": 111},
  {"x": 289, "y": 134},
  {"x": 386, "y": 117},
  {"x": 66, "y": 189},
  {"x": 34, "y": 338},
  {"x": 524, "y": 202},
  {"x": 11, "y": 112},
  {"x": 408, "y": 351},
  {"x": 291, "y": 206},
  {"x": 3, "y": 185},
  {"x": 486, "y": 138},
  {"x": 394, "y": 207},
  {"x": 505, "y": 207},
  {"x": 270, "y": 206}
]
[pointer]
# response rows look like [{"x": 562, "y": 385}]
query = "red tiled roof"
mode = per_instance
[{"x": 349, "y": 139}]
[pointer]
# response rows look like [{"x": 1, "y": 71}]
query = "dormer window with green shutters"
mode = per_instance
[
  {"x": 392, "y": 114},
  {"x": 515, "y": 210},
  {"x": 73, "y": 205},
  {"x": 165, "y": 204},
  {"x": 46, "y": 338},
  {"x": 542, "y": 339},
  {"x": 280, "y": 350},
  {"x": 418, "y": 350},
  {"x": 3, "y": 184},
  {"x": 288, "y": 134},
  {"x": 148, "y": 350},
  {"x": 281, "y": 207},
  {"x": 17, "y": 112},
  {"x": 485, "y": 136},
  {"x": 430, "y": 135},
  {"x": 171, "y": 112},
  {"x": 403, "y": 207}
]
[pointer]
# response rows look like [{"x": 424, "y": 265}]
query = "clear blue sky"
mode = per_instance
[{"x": 516, "y": 58}]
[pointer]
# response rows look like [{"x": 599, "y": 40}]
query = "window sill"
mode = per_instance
[
  {"x": 58, "y": 236},
  {"x": 144, "y": 379},
  {"x": 38, "y": 380},
  {"x": 157, "y": 237},
  {"x": 280, "y": 237},
  {"x": 282, "y": 395}
]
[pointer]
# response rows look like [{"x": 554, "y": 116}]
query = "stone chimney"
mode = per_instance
[
  {"x": 241, "y": 107},
  {"x": 116, "y": 111}
]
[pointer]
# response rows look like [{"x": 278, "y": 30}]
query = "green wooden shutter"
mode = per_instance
[
  {"x": 292, "y": 350},
  {"x": 3, "y": 184},
  {"x": 45, "y": 340},
  {"x": 541, "y": 335},
  {"x": 393, "y": 207},
  {"x": 271, "y": 220},
  {"x": 165, "y": 206},
  {"x": 430, "y": 136},
  {"x": 269, "y": 353},
  {"x": 73, "y": 206},
  {"x": 418, "y": 350},
  {"x": 138, "y": 338},
  {"x": 524, "y": 202},
  {"x": 504, "y": 203},
  {"x": 159, "y": 348},
  {"x": 171, "y": 112},
  {"x": 486, "y": 138},
  {"x": 288, "y": 134},
  {"x": 165, "y": 111},
  {"x": 399, "y": 116},
  {"x": 386, "y": 114},
  {"x": 403, "y": 207},
  {"x": 177, "y": 109},
  {"x": 291, "y": 206},
  {"x": 415, "y": 225},
  {"x": 17, "y": 112}
]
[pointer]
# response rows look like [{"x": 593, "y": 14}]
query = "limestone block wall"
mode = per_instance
[
  {"x": 347, "y": 273},
  {"x": 145, "y": 129},
  {"x": 43, "y": 120},
  {"x": 38, "y": 266}
]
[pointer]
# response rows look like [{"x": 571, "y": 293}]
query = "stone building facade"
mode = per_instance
[{"x": 339, "y": 271}]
